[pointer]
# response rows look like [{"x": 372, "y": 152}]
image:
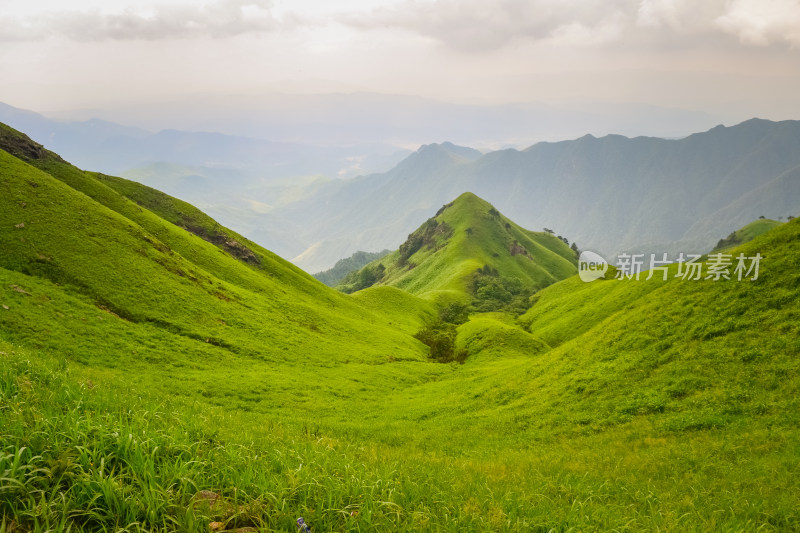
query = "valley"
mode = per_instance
[{"x": 162, "y": 372}]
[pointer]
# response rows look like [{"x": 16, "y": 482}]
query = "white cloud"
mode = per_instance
[
  {"x": 61, "y": 54},
  {"x": 465, "y": 25},
  {"x": 611, "y": 28},
  {"x": 763, "y": 22},
  {"x": 222, "y": 18},
  {"x": 477, "y": 25},
  {"x": 673, "y": 14}
]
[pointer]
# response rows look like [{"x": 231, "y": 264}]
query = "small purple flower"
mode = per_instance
[{"x": 303, "y": 526}]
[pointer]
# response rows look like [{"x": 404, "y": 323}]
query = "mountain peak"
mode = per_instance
[
  {"x": 465, "y": 198},
  {"x": 466, "y": 240},
  {"x": 469, "y": 197},
  {"x": 467, "y": 203},
  {"x": 451, "y": 149}
]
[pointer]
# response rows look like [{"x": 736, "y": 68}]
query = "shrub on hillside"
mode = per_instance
[
  {"x": 454, "y": 313},
  {"x": 440, "y": 337},
  {"x": 361, "y": 279},
  {"x": 428, "y": 235},
  {"x": 492, "y": 292}
]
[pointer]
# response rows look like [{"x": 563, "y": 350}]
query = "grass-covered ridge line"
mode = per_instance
[
  {"x": 150, "y": 208},
  {"x": 188, "y": 217}
]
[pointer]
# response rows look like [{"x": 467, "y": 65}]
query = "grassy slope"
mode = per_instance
[
  {"x": 478, "y": 238},
  {"x": 150, "y": 209},
  {"x": 110, "y": 285},
  {"x": 682, "y": 392},
  {"x": 684, "y": 335},
  {"x": 98, "y": 253},
  {"x": 686, "y": 390},
  {"x": 676, "y": 344},
  {"x": 746, "y": 234},
  {"x": 625, "y": 406}
]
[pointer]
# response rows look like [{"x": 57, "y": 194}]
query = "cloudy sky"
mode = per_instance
[{"x": 734, "y": 57}]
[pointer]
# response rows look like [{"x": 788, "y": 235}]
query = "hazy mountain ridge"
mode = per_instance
[
  {"x": 610, "y": 194},
  {"x": 272, "y": 191},
  {"x": 358, "y": 117},
  {"x": 395, "y": 199},
  {"x": 251, "y": 162},
  {"x": 333, "y": 276}
]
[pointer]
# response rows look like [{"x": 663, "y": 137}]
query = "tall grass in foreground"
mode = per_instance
[{"x": 73, "y": 459}]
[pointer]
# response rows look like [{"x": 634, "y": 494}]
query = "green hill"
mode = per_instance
[
  {"x": 469, "y": 250},
  {"x": 110, "y": 247},
  {"x": 700, "y": 353},
  {"x": 746, "y": 234},
  {"x": 156, "y": 377}
]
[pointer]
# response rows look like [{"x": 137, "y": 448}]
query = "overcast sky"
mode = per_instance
[{"x": 722, "y": 56}]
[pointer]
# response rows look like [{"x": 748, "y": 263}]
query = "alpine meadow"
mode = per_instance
[{"x": 161, "y": 372}]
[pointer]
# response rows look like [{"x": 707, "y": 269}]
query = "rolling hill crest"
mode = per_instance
[{"x": 470, "y": 250}]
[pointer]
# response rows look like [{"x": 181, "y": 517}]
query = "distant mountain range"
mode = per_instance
[
  {"x": 337, "y": 119},
  {"x": 182, "y": 161},
  {"x": 608, "y": 194}
]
